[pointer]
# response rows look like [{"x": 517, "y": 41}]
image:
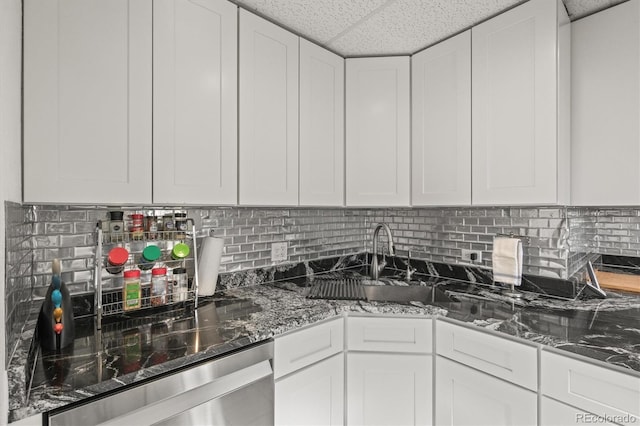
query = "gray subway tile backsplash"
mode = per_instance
[{"x": 560, "y": 242}]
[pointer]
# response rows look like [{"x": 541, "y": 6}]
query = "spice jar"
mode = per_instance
[
  {"x": 151, "y": 227},
  {"x": 137, "y": 226},
  {"x": 168, "y": 226},
  {"x": 158, "y": 286},
  {"x": 180, "y": 223},
  {"x": 116, "y": 259},
  {"x": 116, "y": 224},
  {"x": 180, "y": 251},
  {"x": 148, "y": 257},
  {"x": 131, "y": 291},
  {"x": 180, "y": 284}
]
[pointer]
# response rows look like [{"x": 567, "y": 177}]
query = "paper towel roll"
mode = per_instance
[{"x": 209, "y": 264}]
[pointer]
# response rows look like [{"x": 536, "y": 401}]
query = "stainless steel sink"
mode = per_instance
[{"x": 404, "y": 294}]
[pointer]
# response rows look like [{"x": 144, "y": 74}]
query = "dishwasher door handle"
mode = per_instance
[{"x": 168, "y": 407}]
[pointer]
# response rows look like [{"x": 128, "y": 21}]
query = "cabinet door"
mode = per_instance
[
  {"x": 268, "y": 113},
  {"x": 378, "y": 133},
  {"x": 87, "y": 101},
  {"x": 441, "y": 125},
  {"x": 553, "y": 412},
  {"x": 465, "y": 396},
  {"x": 195, "y": 102},
  {"x": 312, "y": 396},
  {"x": 389, "y": 389},
  {"x": 605, "y": 107},
  {"x": 508, "y": 360},
  {"x": 321, "y": 126},
  {"x": 592, "y": 388},
  {"x": 304, "y": 347},
  {"x": 514, "y": 81}
]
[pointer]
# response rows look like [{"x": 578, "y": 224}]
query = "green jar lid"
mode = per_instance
[
  {"x": 180, "y": 251},
  {"x": 151, "y": 253}
]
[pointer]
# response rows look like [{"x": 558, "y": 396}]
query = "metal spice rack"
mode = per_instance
[{"x": 108, "y": 286}]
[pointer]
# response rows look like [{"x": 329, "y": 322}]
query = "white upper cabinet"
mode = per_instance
[
  {"x": 441, "y": 125},
  {"x": 520, "y": 106},
  {"x": 195, "y": 102},
  {"x": 605, "y": 93},
  {"x": 268, "y": 139},
  {"x": 87, "y": 101},
  {"x": 378, "y": 132},
  {"x": 321, "y": 126}
]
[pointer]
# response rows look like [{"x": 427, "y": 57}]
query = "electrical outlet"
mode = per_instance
[
  {"x": 279, "y": 251},
  {"x": 468, "y": 255}
]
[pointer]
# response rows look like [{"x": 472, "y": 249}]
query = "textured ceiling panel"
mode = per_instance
[
  {"x": 390, "y": 27},
  {"x": 407, "y": 26},
  {"x": 579, "y": 8},
  {"x": 319, "y": 20}
]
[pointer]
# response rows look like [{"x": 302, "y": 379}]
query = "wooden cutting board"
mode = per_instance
[{"x": 621, "y": 282}]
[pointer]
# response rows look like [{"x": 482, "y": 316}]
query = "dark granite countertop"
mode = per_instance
[{"x": 146, "y": 345}]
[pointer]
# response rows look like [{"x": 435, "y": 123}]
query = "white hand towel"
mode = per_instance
[{"x": 507, "y": 260}]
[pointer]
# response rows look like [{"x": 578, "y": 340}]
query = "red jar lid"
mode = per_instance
[
  {"x": 132, "y": 273},
  {"x": 118, "y": 256},
  {"x": 137, "y": 216},
  {"x": 159, "y": 271}
]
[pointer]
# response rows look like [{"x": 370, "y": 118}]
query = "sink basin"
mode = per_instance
[{"x": 404, "y": 294}]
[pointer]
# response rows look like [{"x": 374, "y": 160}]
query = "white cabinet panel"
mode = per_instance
[
  {"x": 506, "y": 359},
  {"x": 87, "y": 101},
  {"x": 390, "y": 334},
  {"x": 268, "y": 136},
  {"x": 378, "y": 133},
  {"x": 389, "y": 389},
  {"x": 518, "y": 147},
  {"x": 312, "y": 396},
  {"x": 553, "y": 412},
  {"x": 605, "y": 137},
  {"x": 195, "y": 102},
  {"x": 591, "y": 388},
  {"x": 321, "y": 126},
  {"x": 304, "y": 347},
  {"x": 465, "y": 396},
  {"x": 441, "y": 125}
]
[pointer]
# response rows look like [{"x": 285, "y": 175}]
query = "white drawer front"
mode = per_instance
[
  {"x": 506, "y": 359},
  {"x": 553, "y": 412},
  {"x": 304, "y": 347},
  {"x": 411, "y": 335},
  {"x": 592, "y": 388}
]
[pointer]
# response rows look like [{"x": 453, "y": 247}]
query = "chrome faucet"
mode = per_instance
[
  {"x": 375, "y": 266},
  {"x": 410, "y": 269}
]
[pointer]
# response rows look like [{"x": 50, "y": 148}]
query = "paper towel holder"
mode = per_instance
[{"x": 523, "y": 238}]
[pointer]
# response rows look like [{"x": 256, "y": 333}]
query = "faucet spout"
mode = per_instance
[{"x": 376, "y": 267}]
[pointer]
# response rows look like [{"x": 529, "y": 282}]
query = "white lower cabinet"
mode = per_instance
[
  {"x": 465, "y": 396},
  {"x": 609, "y": 394},
  {"x": 398, "y": 372},
  {"x": 553, "y": 412},
  {"x": 388, "y": 389},
  {"x": 308, "y": 367},
  {"x": 313, "y": 395},
  {"x": 389, "y": 368}
]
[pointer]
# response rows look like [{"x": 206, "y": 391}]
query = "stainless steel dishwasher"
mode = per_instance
[{"x": 236, "y": 389}]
